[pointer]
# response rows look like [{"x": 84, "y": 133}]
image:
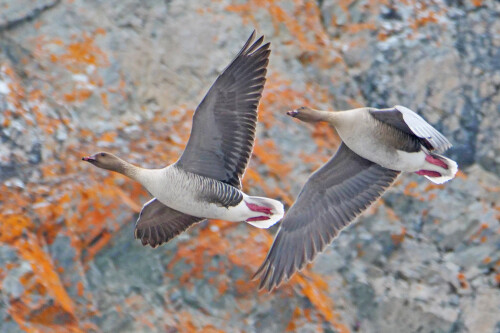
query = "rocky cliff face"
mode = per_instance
[{"x": 125, "y": 76}]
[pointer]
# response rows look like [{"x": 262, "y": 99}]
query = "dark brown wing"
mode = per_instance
[
  {"x": 331, "y": 198},
  {"x": 411, "y": 123},
  {"x": 223, "y": 132},
  {"x": 157, "y": 223}
]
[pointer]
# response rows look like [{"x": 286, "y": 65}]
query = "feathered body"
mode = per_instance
[
  {"x": 387, "y": 145},
  {"x": 205, "y": 182},
  {"x": 200, "y": 196},
  {"x": 376, "y": 146}
]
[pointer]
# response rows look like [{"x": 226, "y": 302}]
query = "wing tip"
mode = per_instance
[
  {"x": 250, "y": 39},
  {"x": 272, "y": 278},
  {"x": 252, "y": 46},
  {"x": 281, "y": 264},
  {"x": 267, "y": 281},
  {"x": 148, "y": 238}
]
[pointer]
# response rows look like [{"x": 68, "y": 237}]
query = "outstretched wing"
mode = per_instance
[
  {"x": 331, "y": 199},
  {"x": 411, "y": 123},
  {"x": 157, "y": 223},
  {"x": 223, "y": 132}
]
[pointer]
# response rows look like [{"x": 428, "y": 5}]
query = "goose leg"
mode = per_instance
[
  {"x": 428, "y": 173},
  {"x": 434, "y": 161},
  {"x": 431, "y": 159},
  {"x": 258, "y": 218},
  {"x": 257, "y": 208}
]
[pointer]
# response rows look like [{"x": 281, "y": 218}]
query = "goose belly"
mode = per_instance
[
  {"x": 376, "y": 150},
  {"x": 199, "y": 208},
  {"x": 197, "y": 196}
]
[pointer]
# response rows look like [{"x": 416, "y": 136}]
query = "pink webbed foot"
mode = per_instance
[
  {"x": 428, "y": 173},
  {"x": 436, "y": 161},
  {"x": 260, "y": 209},
  {"x": 258, "y": 218}
]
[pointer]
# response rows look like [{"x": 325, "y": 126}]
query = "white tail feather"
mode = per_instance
[
  {"x": 448, "y": 173},
  {"x": 276, "y": 208}
]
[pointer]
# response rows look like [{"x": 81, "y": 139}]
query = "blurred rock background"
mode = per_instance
[{"x": 125, "y": 76}]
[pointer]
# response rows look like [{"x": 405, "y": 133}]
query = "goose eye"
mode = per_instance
[{"x": 102, "y": 154}]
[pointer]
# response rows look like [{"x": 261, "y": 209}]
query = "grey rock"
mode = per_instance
[
  {"x": 15, "y": 13},
  {"x": 482, "y": 311},
  {"x": 165, "y": 54}
]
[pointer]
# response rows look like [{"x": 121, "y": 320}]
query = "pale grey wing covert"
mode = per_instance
[
  {"x": 331, "y": 198},
  {"x": 157, "y": 223},
  {"x": 223, "y": 131},
  {"x": 411, "y": 123}
]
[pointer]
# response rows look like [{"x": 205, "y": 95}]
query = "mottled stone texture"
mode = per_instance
[{"x": 78, "y": 76}]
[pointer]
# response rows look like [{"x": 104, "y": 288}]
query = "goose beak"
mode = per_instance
[
  {"x": 90, "y": 159},
  {"x": 293, "y": 113}
]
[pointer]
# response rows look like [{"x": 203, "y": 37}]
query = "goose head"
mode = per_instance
[
  {"x": 106, "y": 161},
  {"x": 307, "y": 114}
]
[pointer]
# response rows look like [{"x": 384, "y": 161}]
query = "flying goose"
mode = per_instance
[
  {"x": 205, "y": 182},
  {"x": 376, "y": 146}
]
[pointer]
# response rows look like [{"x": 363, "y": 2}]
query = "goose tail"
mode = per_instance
[
  {"x": 446, "y": 173},
  {"x": 267, "y": 211}
]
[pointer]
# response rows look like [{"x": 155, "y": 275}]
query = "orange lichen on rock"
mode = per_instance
[
  {"x": 266, "y": 152},
  {"x": 44, "y": 271},
  {"x": 409, "y": 190},
  {"x": 315, "y": 289},
  {"x": 77, "y": 95},
  {"x": 83, "y": 51},
  {"x": 462, "y": 280},
  {"x": 307, "y": 32},
  {"x": 325, "y": 137},
  {"x": 13, "y": 226},
  {"x": 292, "y": 326},
  {"x": 397, "y": 239},
  {"x": 63, "y": 202},
  {"x": 422, "y": 21},
  {"x": 45, "y": 318}
]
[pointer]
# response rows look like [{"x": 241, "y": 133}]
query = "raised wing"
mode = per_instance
[
  {"x": 331, "y": 199},
  {"x": 157, "y": 223},
  {"x": 223, "y": 132},
  {"x": 411, "y": 123}
]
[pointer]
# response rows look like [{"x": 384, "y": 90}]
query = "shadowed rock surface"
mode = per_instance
[{"x": 125, "y": 76}]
